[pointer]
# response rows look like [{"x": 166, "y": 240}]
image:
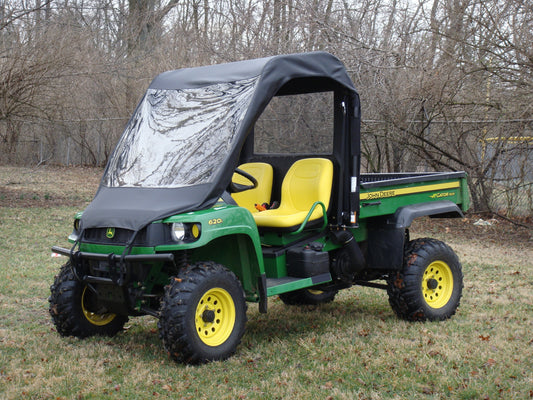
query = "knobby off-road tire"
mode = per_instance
[
  {"x": 429, "y": 287},
  {"x": 308, "y": 296},
  {"x": 74, "y": 310},
  {"x": 203, "y": 314}
]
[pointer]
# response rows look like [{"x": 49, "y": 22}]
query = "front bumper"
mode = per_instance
[{"x": 114, "y": 260}]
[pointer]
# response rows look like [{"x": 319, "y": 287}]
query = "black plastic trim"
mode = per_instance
[
  {"x": 263, "y": 298},
  {"x": 115, "y": 257},
  {"x": 370, "y": 181},
  {"x": 404, "y": 216},
  {"x": 321, "y": 278}
]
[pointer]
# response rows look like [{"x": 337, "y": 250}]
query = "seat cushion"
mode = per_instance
[
  {"x": 275, "y": 219},
  {"x": 307, "y": 181}
]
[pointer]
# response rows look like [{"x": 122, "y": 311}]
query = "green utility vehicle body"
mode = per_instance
[{"x": 182, "y": 249}]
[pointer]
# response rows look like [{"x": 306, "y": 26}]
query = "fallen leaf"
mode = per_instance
[
  {"x": 490, "y": 362},
  {"x": 427, "y": 390}
]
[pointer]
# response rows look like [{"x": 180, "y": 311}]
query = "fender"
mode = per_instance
[
  {"x": 404, "y": 216},
  {"x": 387, "y": 236},
  {"x": 228, "y": 236}
]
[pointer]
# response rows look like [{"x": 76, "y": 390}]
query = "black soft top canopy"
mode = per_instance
[{"x": 131, "y": 199}]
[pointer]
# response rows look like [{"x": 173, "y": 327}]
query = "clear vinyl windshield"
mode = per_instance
[{"x": 179, "y": 137}]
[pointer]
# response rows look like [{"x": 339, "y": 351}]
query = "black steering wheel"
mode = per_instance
[{"x": 238, "y": 187}]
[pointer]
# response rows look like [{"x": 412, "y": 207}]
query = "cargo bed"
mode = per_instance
[
  {"x": 383, "y": 193},
  {"x": 374, "y": 180}
]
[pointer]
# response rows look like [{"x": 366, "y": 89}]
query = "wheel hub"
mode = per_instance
[
  {"x": 208, "y": 316},
  {"x": 432, "y": 284}
]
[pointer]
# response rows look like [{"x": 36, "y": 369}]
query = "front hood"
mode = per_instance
[{"x": 134, "y": 208}]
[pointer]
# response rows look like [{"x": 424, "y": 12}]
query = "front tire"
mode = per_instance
[
  {"x": 430, "y": 284},
  {"x": 74, "y": 309},
  {"x": 203, "y": 314}
]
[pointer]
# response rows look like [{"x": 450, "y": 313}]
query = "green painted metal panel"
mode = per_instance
[
  {"x": 387, "y": 199},
  {"x": 275, "y": 267},
  {"x": 106, "y": 249},
  {"x": 229, "y": 236},
  {"x": 236, "y": 252},
  {"x": 223, "y": 220},
  {"x": 465, "y": 195},
  {"x": 292, "y": 285},
  {"x": 283, "y": 238}
]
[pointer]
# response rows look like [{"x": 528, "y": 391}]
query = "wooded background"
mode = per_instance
[{"x": 444, "y": 84}]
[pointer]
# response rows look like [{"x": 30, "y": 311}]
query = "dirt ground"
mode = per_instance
[{"x": 49, "y": 186}]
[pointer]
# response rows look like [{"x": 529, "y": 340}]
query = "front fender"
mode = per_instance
[{"x": 228, "y": 236}]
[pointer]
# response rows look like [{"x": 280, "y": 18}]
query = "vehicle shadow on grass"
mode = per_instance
[
  {"x": 283, "y": 320},
  {"x": 140, "y": 337}
]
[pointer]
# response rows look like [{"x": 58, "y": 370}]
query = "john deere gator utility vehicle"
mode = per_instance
[{"x": 220, "y": 194}]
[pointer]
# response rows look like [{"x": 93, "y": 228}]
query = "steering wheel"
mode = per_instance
[{"x": 238, "y": 187}]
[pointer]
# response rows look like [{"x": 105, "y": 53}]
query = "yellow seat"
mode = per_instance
[
  {"x": 264, "y": 174},
  {"x": 307, "y": 181}
]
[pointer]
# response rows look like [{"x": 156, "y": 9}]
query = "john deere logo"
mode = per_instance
[{"x": 110, "y": 233}]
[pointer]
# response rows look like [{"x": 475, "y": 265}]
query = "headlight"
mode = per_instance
[
  {"x": 185, "y": 232},
  {"x": 178, "y": 231}
]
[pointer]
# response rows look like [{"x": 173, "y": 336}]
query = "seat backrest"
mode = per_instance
[
  {"x": 308, "y": 180},
  {"x": 264, "y": 174}
]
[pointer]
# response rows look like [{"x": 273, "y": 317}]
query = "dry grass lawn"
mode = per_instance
[{"x": 353, "y": 348}]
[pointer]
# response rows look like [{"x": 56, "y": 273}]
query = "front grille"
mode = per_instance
[
  {"x": 120, "y": 236},
  {"x": 99, "y": 235},
  {"x": 152, "y": 235}
]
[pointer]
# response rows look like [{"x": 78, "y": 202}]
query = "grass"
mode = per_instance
[{"x": 353, "y": 348}]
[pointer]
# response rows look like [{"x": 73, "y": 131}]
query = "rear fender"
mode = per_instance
[
  {"x": 387, "y": 235},
  {"x": 404, "y": 216}
]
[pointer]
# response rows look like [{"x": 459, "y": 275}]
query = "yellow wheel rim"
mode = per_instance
[
  {"x": 92, "y": 317},
  {"x": 215, "y": 317},
  {"x": 437, "y": 284},
  {"x": 315, "y": 292}
]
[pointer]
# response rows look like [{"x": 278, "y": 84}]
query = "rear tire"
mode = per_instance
[
  {"x": 74, "y": 310},
  {"x": 429, "y": 287},
  {"x": 308, "y": 296},
  {"x": 203, "y": 314}
]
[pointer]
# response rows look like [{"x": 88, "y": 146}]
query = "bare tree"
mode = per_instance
[{"x": 445, "y": 84}]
